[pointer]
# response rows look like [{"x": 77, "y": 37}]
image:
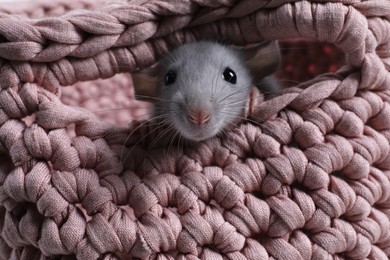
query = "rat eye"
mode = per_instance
[
  {"x": 170, "y": 77},
  {"x": 229, "y": 75}
]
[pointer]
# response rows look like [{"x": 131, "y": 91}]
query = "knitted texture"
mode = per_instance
[{"x": 307, "y": 177}]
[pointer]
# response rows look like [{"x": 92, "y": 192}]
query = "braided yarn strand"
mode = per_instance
[
  {"x": 307, "y": 177},
  {"x": 40, "y": 8}
]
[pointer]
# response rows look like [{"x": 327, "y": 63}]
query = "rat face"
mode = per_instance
[{"x": 204, "y": 88}]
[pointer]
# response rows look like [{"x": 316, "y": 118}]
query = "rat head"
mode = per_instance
[{"x": 202, "y": 87}]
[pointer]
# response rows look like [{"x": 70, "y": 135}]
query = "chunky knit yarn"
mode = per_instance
[{"x": 307, "y": 177}]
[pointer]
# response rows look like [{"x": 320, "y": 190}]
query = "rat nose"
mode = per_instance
[{"x": 198, "y": 116}]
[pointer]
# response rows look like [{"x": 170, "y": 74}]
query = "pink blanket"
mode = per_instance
[{"x": 306, "y": 178}]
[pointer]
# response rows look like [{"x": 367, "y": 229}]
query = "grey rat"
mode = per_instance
[{"x": 201, "y": 88}]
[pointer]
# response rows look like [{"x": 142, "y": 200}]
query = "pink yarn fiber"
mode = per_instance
[{"x": 307, "y": 177}]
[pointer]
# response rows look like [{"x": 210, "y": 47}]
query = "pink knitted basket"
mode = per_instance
[{"x": 308, "y": 180}]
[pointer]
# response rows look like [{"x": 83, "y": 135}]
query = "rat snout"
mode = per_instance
[{"x": 198, "y": 115}]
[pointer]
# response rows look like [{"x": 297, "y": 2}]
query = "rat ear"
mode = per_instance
[
  {"x": 262, "y": 60},
  {"x": 255, "y": 98},
  {"x": 145, "y": 83}
]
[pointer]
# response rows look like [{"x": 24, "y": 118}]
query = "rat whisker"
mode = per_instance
[
  {"x": 233, "y": 103},
  {"x": 240, "y": 101},
  {"x": 231, "y": 94},
  {"x": 115, "y": 126},
  {"x": 171, "y": 58},
  {"x": 129, "y": 153},
  {"x": 234, "y": 124},
  {"x": 160, "y": 125},
  {"x": 171, "y": 143},
  {"x": 135, "y": 129},
  {"x": 184, "y": 143},
  {"x": 287, "y": 80},
  {"x": 160, "y": 135},
  {"x": 219, "y": 74},
  {"x": 225, "y": 101},
  {"x": 116, "y": 109},
  {"x": 213, "y": 86},
  {"x": 221, "y": 133},
  {"x": 246, "y": 119},
  {"x": 154, "y": 98},
  {"x": 151, "y": 145}
]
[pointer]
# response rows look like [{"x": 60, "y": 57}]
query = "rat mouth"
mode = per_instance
[
  {"x": 195, "y": 132},
  {"x": 199, "y": 133},
  {"x": 203, "y": 136}
]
